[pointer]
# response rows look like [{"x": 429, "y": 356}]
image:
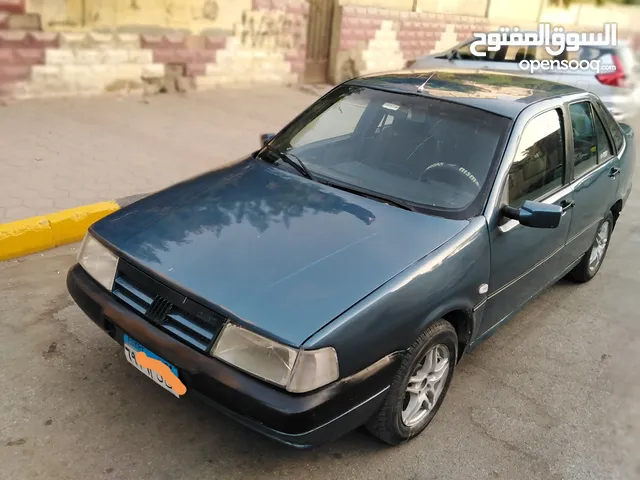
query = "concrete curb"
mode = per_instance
[{"x": 36, "y": 234}]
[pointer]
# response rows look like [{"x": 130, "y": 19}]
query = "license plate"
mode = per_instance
[{"x": 131, "y": 349}]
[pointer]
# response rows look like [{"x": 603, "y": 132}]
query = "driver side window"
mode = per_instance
[{"x": 538, "y": 167}]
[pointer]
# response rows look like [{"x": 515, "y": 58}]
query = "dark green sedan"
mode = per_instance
[{"x": 335, "y": 277}]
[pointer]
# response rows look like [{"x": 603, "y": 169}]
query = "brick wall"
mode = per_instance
[
  {"x": 368, "y": 40},
  {"x": 375, "y": 39},
  {"x": 266, "y": 45}
]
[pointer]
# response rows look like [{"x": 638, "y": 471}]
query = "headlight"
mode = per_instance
[
  {"x": 274, "y": 362},
  {"x": 98, "y": 262}
]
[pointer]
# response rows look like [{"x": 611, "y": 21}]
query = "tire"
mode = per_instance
[
  {"x": 585, "y": 270},
  {"x": 388, "y": 424}
]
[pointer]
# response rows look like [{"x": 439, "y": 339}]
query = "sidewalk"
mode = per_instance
[{"x": 59, "y": 154}]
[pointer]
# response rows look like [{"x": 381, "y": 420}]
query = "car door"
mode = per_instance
[
  {"x": 523, "y": 259},
  {"x": 594, "y": 178}
]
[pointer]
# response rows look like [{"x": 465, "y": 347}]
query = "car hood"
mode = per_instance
[{"x": 270, "y": 249}]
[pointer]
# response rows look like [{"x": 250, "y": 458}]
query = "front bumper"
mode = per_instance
[{"x": 299, "y": 420}]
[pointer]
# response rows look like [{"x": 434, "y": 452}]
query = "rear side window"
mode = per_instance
[
  {"x": 538, "y": 167},
  {"x": 612, "y": 125},
  {"x": 585, "y": 150},
  {"x": 604, "y": 146}
]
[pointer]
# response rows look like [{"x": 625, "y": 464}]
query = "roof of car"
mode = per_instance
[{"x": 501, "y": 93}]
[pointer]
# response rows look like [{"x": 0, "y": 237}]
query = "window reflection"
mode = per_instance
[
  {"x": 539, "y": 164},
  {"x": 585, "y": 152}
]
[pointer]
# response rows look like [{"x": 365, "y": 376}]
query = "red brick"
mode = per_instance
[
  {"x": 295, "y": 7},
  {"x": 29, "y": 56},
  {"x": 279, "y": 5},
  {"x": 6, "y": 56},
  {"x": 174, "y": 55},
  {"x": 14, "y": 73},
  {"x": 368, "y": 23},
  {"x": 373, "y": 12},
  {"x": 348, "y": 44},
  {"x": 388, "y": 14},
  {"x": 196, "y": 69},
  {"x": 13, "y": 38},
  {"x": 407, "y": 35},
  {"x": 426, "y": 44},
  {"x": 433, "y": 27},
  {"x": 204, "y": 56},
  {"x": 360, "y": 12},
  {"x": 12, "y": 6},
  {"x": 215, "y": 42},
  {"x": 357, "y": 34},
  {"x": 350, "y": 11},
  {"x": 262, "y": 5},
  {"x": 44, "y": 39},
  {"x": 174, "y": 40},
  {"x": 21, "y": 56},
  {"x": 366, "y": 34},
  {"x": 464, "y": 27},
  {"x": 349, "y": 22}
]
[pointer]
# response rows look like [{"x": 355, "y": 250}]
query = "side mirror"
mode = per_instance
[
  {"x": 535, "y": 214},
  {"x": 266, "y": 138},
  {"x": 452, "y": 54}
]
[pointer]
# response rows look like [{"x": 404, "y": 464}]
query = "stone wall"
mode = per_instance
[{"x": 266, "y": 45}]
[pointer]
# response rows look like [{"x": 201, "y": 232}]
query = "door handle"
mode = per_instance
[
  {"x": 566, "y": 205},
  {"x": 614, "y": 172}
]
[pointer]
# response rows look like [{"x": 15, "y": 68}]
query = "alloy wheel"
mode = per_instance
[
  {"x": 599, "y": 247},
  {"x": 425, "y": 385}
]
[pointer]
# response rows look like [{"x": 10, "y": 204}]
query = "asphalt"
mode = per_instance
[{"x": 554, "y": 394}]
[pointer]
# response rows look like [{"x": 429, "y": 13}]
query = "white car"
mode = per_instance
[{"x": 618, "y": 89}]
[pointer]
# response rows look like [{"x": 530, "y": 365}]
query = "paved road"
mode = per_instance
[
  {"x": 555, "y": 394},
  {"x": 63, "y": 153}
]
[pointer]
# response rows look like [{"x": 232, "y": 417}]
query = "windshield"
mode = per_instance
[{"x": 428, "y": 153}]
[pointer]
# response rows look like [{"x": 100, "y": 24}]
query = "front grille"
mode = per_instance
[{"x": 190, "y": 323}]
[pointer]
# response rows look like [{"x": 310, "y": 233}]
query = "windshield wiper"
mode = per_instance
[
  {"x": 287, "y": 158},
  {"x": 375, "y": 196}
]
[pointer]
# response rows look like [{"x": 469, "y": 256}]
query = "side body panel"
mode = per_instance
[
  {"x": 594, "y": 194},
  {"x": 392, "y": 317},
  {"x": 525, "y": 260}
]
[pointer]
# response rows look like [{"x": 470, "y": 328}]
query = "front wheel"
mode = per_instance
[
  {"x": 594, "y": 257},
  {"x": 419, "y": 387}
]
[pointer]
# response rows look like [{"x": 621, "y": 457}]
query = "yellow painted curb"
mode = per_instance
[{"x": 36, "y": 234}]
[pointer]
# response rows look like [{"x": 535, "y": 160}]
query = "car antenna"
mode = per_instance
[{"x": 421, "y": 87}]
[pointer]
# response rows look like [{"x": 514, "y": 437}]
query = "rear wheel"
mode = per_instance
[
  {"x": 419, "y": 387},
  {"x": 594, "y": 257}
]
